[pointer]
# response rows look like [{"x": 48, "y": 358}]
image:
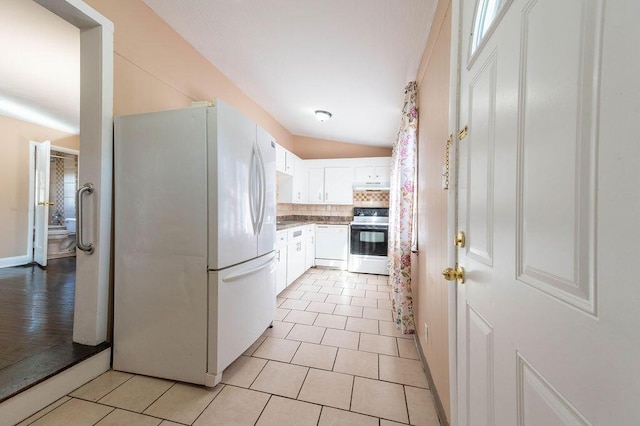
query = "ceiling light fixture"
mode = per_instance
[{"x": 323, "y": 115}]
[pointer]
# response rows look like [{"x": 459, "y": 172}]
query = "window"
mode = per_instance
[{"x": 486, "y": 13}]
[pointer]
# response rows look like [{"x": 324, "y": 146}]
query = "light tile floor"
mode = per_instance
[{"x": 333, "y": 357}]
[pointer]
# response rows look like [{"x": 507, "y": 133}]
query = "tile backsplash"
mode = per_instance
[
  {"x": 360, "y": 199},
  {"x": 371, "y": 198}
]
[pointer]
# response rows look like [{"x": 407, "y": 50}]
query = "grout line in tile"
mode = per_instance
[
  {"x": 142, "y": 414},
  {"x": 104, "y": 396},
  {"x": 263, "y": 408},
  {"x": 50, "y": 411},
  {"x": 147, "y": 407},
  {"x": 260, "y": 372},
  {"x": 302, "y": 385},
  {"x": 112, "y": 410},
  {"x": 406, "y": 404},
  {"x": 210, "y": 402},
  {"x": 353, "y": 383}
]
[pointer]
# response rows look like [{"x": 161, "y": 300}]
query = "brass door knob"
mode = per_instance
[
  {"x": 46, "y": 203},
  {"x": 452, "y": 274}
]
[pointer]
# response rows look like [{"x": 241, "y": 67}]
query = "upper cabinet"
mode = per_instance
[
  {"x": 300, "y": 183},
  {"x": 326, "y": 181},
  {"x": 331, "y": 185},
  {"x": 373, "y": 174},
  {"x": 284, "y": 160}
]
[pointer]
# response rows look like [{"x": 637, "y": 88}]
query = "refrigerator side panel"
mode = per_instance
[
  {"x": 160, "y": 294},
  {"x": 231, "y": 230},
  {"x": 243, "y": 306},
  {"x": 267, "y": 235}
]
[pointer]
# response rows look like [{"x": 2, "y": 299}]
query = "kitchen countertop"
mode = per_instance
[{"x": 310, "y": 220}]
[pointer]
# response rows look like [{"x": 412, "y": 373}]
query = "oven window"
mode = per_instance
[
  {"x": 369, "y": 242},
  {"x": 371, "y": 237}
]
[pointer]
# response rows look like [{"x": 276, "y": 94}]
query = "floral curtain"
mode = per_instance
[{"x": 401, "y": 211}]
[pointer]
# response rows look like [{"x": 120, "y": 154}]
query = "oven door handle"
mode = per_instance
[{"x": 370, "y": 227}]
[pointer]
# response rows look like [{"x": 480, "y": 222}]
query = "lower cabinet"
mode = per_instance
[
  {"x": 310, "y": 246},
  {"x": 281, "y": 261},
  {"x": 295, "y": 254}
]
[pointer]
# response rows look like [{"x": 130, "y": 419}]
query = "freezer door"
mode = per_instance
[
  {"x": 233, "y": 187},
  {"x": 242, "y": 304},
  {"x": 267, "y": 213}
]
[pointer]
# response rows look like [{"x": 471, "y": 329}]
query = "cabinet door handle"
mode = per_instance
[
  {"x": 326, "y": 196},
  {"x": 320, "y": 196}
]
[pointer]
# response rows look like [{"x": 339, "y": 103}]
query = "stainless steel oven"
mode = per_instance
[{"x": 369, "y": 241}]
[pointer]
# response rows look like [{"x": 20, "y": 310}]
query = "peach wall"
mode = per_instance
[
  {"x": 313, "y": 148},
  {"x": 14, "y": 179},
  {"x": 156, "y": 69},
  {"x": 430, "y": 300}
]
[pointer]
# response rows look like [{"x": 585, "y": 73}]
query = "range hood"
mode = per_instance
[{"x": 371, "y": 186}]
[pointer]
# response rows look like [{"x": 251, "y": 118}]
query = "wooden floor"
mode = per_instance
[{"x": 36, "y": 309}]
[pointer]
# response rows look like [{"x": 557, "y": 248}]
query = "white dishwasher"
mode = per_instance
[{"x": 332, "y": 245}]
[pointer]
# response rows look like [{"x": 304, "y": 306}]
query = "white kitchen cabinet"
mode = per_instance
[
  {"x": 293, "y": 188},
  {"x": 284, "y": 160},
  {"x": 316, "y": 185},
  {"x": 338, "y": 185},
  {"x": 310, "y": 243},
  {"x": 300, "y": 182},
  {"x": 373, "y": 174},
  {"x": 331, "y": 185},
  {"x": 295, "y": 254},
  {"x": 281, "y": 261}
]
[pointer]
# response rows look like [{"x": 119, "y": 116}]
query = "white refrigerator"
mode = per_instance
[{"x": 195, "y": 232}]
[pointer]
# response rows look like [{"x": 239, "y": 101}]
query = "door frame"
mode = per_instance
[
  {"x": 93, "y": 272},
  {"x": 452, "y": 204},
  {"x": 28, "y": 258}
]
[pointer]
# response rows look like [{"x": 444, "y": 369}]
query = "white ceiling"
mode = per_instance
[
  {"x": 350, "y": 57},
  {"x": 39, "y": 66}
]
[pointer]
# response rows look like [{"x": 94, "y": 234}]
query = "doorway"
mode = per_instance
[{"x": 89, "y": 299}]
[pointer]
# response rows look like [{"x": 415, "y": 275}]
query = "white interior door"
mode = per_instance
[
  {"x": 547, "y": 318},
  {"x": 41, "y": 222}
]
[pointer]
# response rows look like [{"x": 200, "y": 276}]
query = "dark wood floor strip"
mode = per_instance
[{"x": 36, "y": 325}]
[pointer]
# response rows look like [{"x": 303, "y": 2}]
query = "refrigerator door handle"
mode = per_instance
[
  {"x": 252, "y": 190},
  {"x": 262, "y": 189},
  {"x": 237, "y": 276}
]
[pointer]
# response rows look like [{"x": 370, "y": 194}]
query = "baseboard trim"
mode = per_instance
[
  {"x": 436, "y": 397},
  {"x": 43, "y": 394},
  {"x": 7, "y": 262}
]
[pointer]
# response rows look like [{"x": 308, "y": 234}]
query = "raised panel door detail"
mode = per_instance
[
  {"x": 557, "y": 143},
  {"x": 480, "y": 157},
  {"x": 479, "y": 346},
  {"x": 539, "y": 403}
]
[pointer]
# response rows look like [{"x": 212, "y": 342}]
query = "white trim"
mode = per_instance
[
  {"x": 7, "y": 262},
  {"x": 452, "y": 205},
  {"x": 65, "y": 150},
  {"x": 91, "y": 309},
  {"x": 38, "y": 397}
]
